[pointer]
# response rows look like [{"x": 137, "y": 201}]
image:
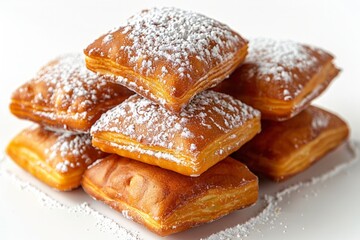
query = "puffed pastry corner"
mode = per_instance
[
  {"x": 57, "y": 159},
  {"x": 167, "y": 55},
  {"x": 211, "y": 127},
  {"x": 284, "y": 149},
  {"x": 167, "y": 202},
  {"x": 65, "y": 95},
  {"x": 280, "y": 78}
]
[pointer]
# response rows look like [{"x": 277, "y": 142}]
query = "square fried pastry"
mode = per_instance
[
  {"x": 212, "y": 126},
  {"x": 65, "y": 94},
  {"x": 57, "y": 159},
  {"x": 280, "y": 78},
  {"x": 167, "y": 202},
  {"x": 283, "y": 149},
  {"x": 167, "y": 55}
]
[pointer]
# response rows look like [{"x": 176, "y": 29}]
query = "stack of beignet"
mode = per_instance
[
  {"x": 163, "y": 153},
  {"x": 170, "y": 57}
]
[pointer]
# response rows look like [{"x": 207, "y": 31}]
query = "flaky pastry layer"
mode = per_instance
[
  {"x": 57, "y": 159},
  {"x": 167, "y": 202},
  {"x": 284, "y": 149},
  {"x": 209, "y": 129}
]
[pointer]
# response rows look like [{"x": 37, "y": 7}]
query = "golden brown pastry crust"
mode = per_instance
[
  {"x": 283, "y": 149},
  {"x": 210, "y": 128},
  {"x": 57, "y": 159},
  {"x": 66, "y": 95},
  {"x": 168, "y": 55},
  {"x": 167, "y": 202},
  {"x": 280, "y": 78}
]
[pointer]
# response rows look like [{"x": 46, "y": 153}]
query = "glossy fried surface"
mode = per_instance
[
  {"x": 65, "y": 95},
  {"x": 283, "y": 149},
  {"x": 280, "y": 78},
  {"x": 167, "y": 55},
  {"x": 167, "y": 202},
  {"x": 57, "y": 159},
  {"x": 210, "y": 128}
]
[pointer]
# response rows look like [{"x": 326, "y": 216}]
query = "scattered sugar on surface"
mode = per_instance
[
  {"x": 106, "y": 224},
  {"x": 269, "y": 213},
  {"x": 103, "y": 223},
  {"x": 271, "y": 208}
]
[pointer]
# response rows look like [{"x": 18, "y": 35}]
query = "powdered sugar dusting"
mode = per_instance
[
  {"x": 320, "y": 121},
  {"x": 175, "y": 35},
  {"x": 69, "y": 147},
  {"x": 67, "y": 85},
  {"x": 144, "y": 121},
  {"x": 284, "y": 61},
  {"x": 275, "y": 58}
]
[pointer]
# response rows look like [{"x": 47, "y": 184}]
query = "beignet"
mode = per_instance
[
  {"x": 64, "y": 94},
  {"x": 280, "y": 78},
  {"x": 167, "y": 202},
  {"x": 283, "y": 149},
  {"x": 167, "y": 55},
  {"x": 57, "y": 159},
  {"x": 210, "y": 128}
]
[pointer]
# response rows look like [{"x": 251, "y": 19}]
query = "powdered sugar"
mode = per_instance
[
  {"x": 66, "y": 85},
  {"x": 321, "y": 120},
  {"x": 276, "y": 59},
  {"x": 289, "y": 63},
  {"x": 144, "y": 121},
  {"x": 175, "y": 35},
  {"x": 68, "y": 147}
]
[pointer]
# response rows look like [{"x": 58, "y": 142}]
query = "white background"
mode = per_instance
[{"x": 34, "y": 32}]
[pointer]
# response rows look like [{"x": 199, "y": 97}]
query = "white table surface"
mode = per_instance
[{"x": 34, "y": 32}]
